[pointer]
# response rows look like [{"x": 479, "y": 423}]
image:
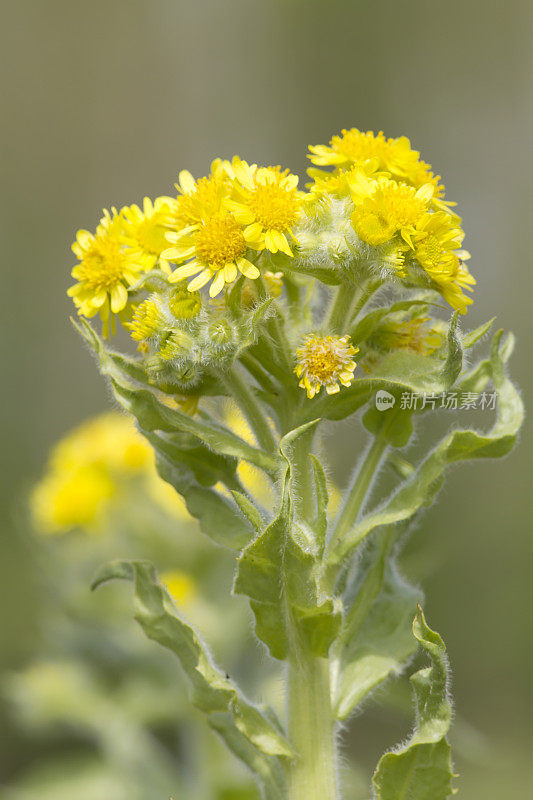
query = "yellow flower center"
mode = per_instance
[
  {"x": 323, "y": 359},
  {"x": 400, "y": 206},
  {"x": 274, "y": 207},
  {"x": 359, "y": 146},
  {"x": 202, "y": 203},
  {"x": 151, "y": 237},
  {"x": 103, "y": 265},
  {"x": 220, "y": 241},
  {"x": 430, "y": 250}
]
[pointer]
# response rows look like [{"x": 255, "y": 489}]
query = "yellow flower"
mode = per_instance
[
  {"x": 394, "y": 156},
  {"x": 105, "y": 271},
  {"x": 110, "y": 440},
  {"x": 325, "y": 361},
  {"x": 180, "y": 586},
  {"x": 198, "y": 199},
  {"x": 85, "y": 470},
  {"x": 217, "y": 247},
  {"x": 436, "y": 243},
  {"x": 267, "y": 201},
  {"x": 71, "y": 499},
  {"x": 385, "y": 207},
  {"x": 147, "y": 321},
  {"x": 143, "y": 231}
]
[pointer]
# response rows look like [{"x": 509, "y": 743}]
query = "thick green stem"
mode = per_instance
[
  {"x": 312, "y": 776},
  {"x": 251, "y": 409},
  {"x": 340, "y": 312},
  {"x": 358, "y": 490}
]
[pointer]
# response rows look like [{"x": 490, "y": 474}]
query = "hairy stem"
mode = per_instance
[
  {"x": 358, "y": 490},
  {"x": 340, "y": 312},
  {"x": 251, "y": 408},
  {"x": 312, "y": 776}
]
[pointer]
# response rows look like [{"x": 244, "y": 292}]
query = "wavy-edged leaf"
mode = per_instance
[
  {"x": 279, "y": 572},
  {"x": 459, "y": 445},
  {"x": 421, "y": 769},
  {"x": 152, "y": 415},
  {"x": 212, "y": 691},
  {"x": 267, "y": 769},
  {"x": 376, "y": 641}
]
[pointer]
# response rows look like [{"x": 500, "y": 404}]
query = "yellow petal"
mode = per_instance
[
  {"x": 247, "y": 268},
  {"x": 185, "y": 271},
  {"x": 119, "y": 297},
  {"x": 218, "y": 284},
  {"x": 200, "y": 280}
]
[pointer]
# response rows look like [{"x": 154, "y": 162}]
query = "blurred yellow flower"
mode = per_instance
[
  {"x": 180, "y": 586},
  {"x": 92, "y": 465}
]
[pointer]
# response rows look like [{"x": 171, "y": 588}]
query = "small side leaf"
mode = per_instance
[
  {"x": 252, "y": 514},
  {"x": 421, "y": 769},
  {"x": 472, "y": 337}
]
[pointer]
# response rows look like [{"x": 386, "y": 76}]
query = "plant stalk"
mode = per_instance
[
  {"x": 252, "y": 410},
  {"x": 312, "y": 776},
  {"x": 358, "y": 491}
]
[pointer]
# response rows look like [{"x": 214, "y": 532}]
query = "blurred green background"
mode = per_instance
[{"x": 104, "y": 102}]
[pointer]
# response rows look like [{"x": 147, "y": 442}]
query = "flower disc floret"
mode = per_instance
[
  {"x": 385, "y": 207},
  {"x": 267, "y": 201},
  {"x": 217, "y": 247},
  {"x": 105, "y": 271},
  {"x": 436, "y": 244},
  {"x": 325, "y": 361}
]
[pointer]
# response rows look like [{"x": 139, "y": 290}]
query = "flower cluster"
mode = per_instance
[
  {"x": 397, "y": 210},
  {"x": 193, "y": 276}
]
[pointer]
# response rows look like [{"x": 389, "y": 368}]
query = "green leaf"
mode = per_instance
[
  {"x": 218, "y": 517},
  {"x": 421, "y": 769},
  {"x": 320, "y": 525},
  {"x": 454, "y": 359},
  {"x": 153, "y": 415},
  {"x": 376, "y": 640},
  {"x": 279, "y": 572},
  {"x": 212, "y": 691},
  {"x": 472, "y": 337},
  {"x": 367, "y": 324},
  {"x": 267, "y": 769},
  {"x": 459, "y": 445},
  {"x": 252, "y": 514},
  {"x": 395, "y": 424}
]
